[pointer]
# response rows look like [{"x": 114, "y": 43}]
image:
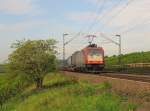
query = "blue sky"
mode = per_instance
[{"x": 43, "y": 19}]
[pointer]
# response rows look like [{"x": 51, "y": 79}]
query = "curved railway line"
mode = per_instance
[
  {"x": 143, "y": 78},
  {"x": 132, "y": 86},
  {"x": 120, "y": 82},
  {"x": 134, "y": 77}
]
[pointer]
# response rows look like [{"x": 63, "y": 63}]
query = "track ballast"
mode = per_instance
[{"x": 134, "y": 77}]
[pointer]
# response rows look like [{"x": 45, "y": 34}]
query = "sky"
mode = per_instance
[{"x": 45, "y": 19}]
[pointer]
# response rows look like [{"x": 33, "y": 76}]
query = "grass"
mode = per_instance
[
  {"x": 136, "y": 57},
  {"x": 5, "y": 78},
  {"x": 2, "y": 78},
  {"x": 11, "y": 85},
  {"x": 61, "y": 93},
  {"x": 3, "y": 68},
  {"x": 131, "y": 58}
]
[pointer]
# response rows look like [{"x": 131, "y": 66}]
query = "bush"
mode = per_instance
[
  {"x": 11, "y": 88},
  {"x": 3, "y": 68}
]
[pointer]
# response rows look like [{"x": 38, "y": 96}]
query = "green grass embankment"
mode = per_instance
[
  {"x": 3, "y": 68},
  {"x": 137, "y": 57},
  {"x": 10, "y": 86},
  {"x": 132, "y": 58},
  {"x": 61, "y": 93}
]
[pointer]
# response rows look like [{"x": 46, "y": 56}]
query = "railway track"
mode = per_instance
[
  {"x": 134, "y": 77},
  {"x": 120, "y": 82},
  {"x": 142, "y": 78},
  {"x": 126, "y": 85}
]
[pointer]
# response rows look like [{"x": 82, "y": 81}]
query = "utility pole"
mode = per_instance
[
  {"x": 64, "y": 53},
  {"x": 117, "y": 43},
  {"x": 119, "y": 59}
]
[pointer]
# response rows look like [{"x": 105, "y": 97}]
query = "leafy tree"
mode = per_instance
[{"x": 34, "y": 58}]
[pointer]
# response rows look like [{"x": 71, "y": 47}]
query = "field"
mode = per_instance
[{"x": 61, "y": 93}]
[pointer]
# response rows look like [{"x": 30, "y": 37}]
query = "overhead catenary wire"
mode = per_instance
[
  {"x": 97, "y": 17},
  {"x": 81, "y": 30},
  {"x": 126, "y": 31},
  {"x": 102, "y": 17},
  {"x": 147, "y": 21},
  {"x": 107, "y": 38},
  {"x": 118, "y": 13},
  {"x": 135, "y": 26}
]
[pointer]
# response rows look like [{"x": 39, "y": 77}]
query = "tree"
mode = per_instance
[{"x": 34, "y": 58}]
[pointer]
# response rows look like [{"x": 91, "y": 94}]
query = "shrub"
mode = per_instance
[{"x": 12, "y": 88}]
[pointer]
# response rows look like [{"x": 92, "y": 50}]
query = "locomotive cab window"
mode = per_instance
[
  {"x": 95, "y": 55},
  {"x": 94, "y": 52}
]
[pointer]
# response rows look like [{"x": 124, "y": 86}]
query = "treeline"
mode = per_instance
[{"x": 137, "y": 57}]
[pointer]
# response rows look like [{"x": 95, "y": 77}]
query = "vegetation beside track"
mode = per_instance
[
  {"x": 58, "y": 92},
  {"x": 136, "y": 57},
  {"x": 67, "y": 94},
  {"x": 132, "y": 58},
  {"x": 11, "y": 85},
  {"x": 3, "y": 68}
]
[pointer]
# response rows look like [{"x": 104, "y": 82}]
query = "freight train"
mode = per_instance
[{"x": 89, "y": 59}]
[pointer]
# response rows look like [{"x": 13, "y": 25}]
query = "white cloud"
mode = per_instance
[
  {"x": 93, "y": 1},
  {"x": 87, "y": 16},
  {"x": 82, "y": 16},
  {"x": 134, "y": 13},
  {"x": 20, "y": 26},
  {"x": 17, "y": 7},
  {"x": 138, "y": 39}
]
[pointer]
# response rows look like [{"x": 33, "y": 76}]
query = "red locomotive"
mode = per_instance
[{"x": 89, "y": 59}]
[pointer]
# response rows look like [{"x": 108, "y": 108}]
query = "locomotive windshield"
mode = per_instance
[
  {"x": 95, "y": 55},
  {"x": 94, "y": 52}
]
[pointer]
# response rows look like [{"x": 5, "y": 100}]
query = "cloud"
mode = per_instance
[
  {"x": 81, "y": 16},
  {"x": 135, "y": 16},
  {"x": 135, "y": 13},
  {"x": 18, "y": 7},
  {"x": 20, "y": 26},
  {"x": 85, "y": 16},
  {"x": 93, "y": 1},
  {"x": 118, "y": 17}
]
